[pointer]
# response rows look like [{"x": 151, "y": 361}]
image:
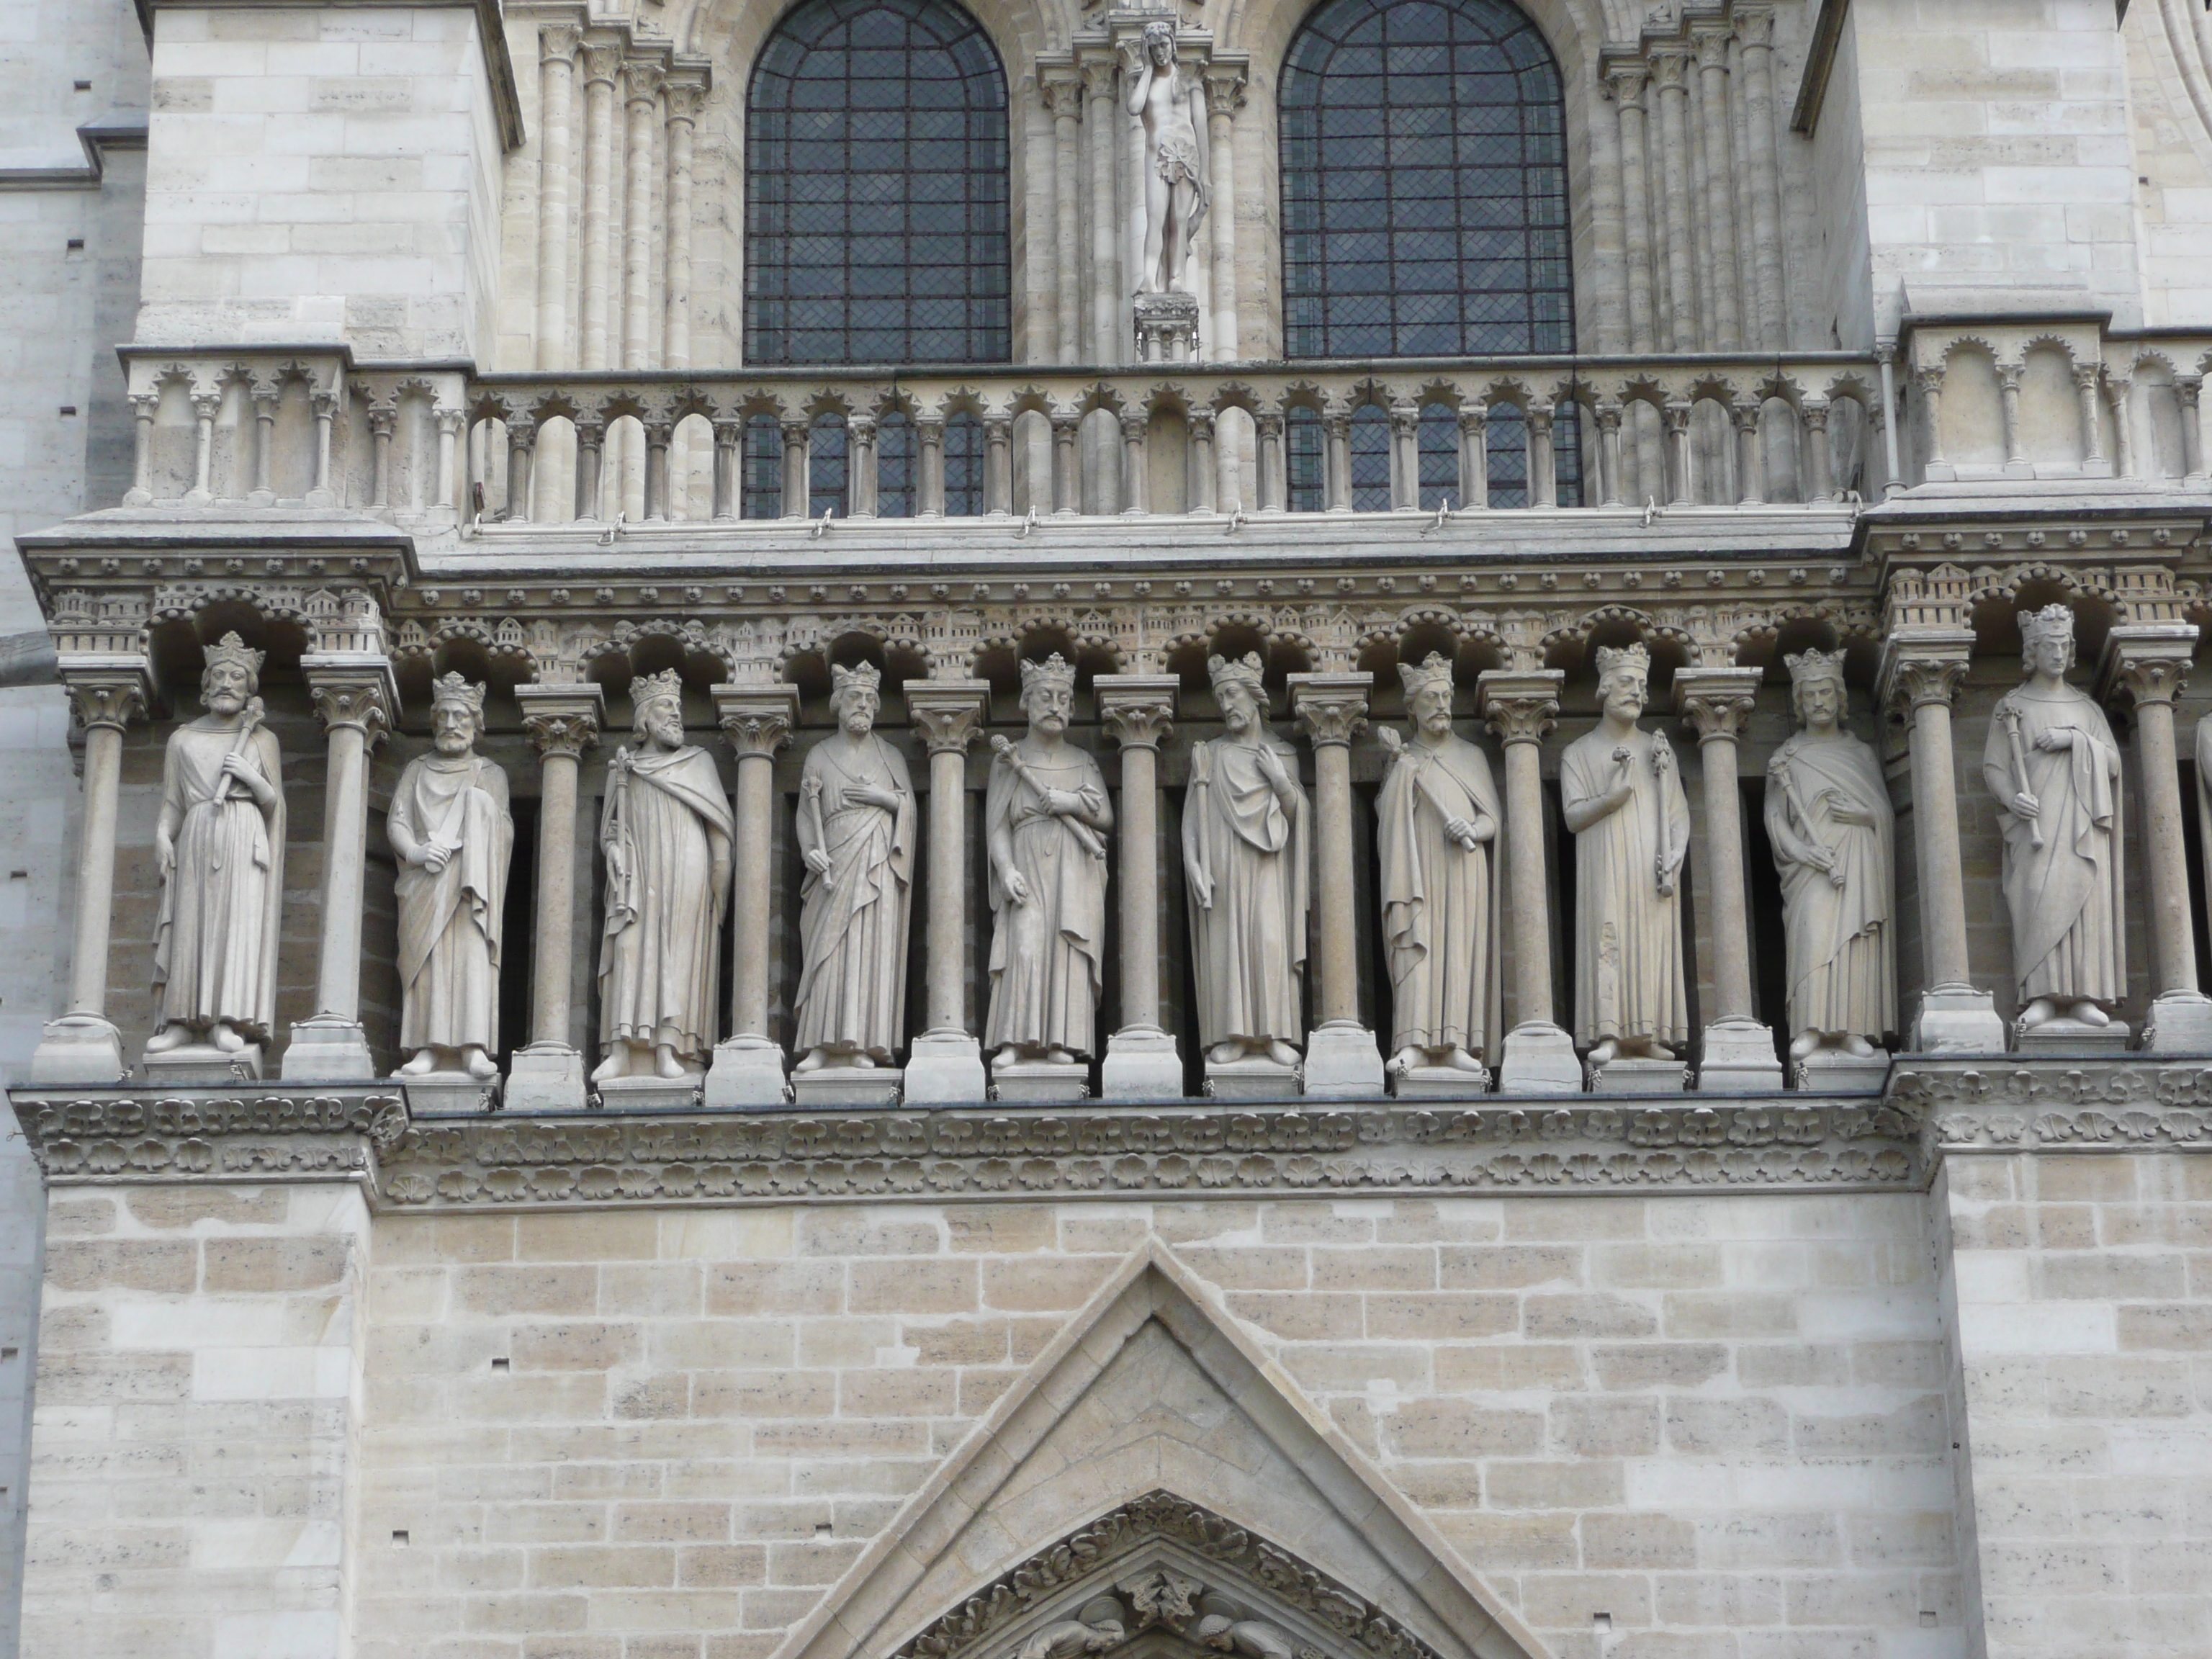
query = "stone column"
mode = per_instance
[
  {"x": 355, "y": 693},
  {"x": 556, "y": 80},
  {"x": 861, "y": 472},
  {"x": 144, "y": 406},
  {"x": 1628, "y": 82},
  {"x": 998, "y": 466},
  {"x": 729, "y": 434},
  {"x": 1738, "y": 1053},
  {"x": 2189, "y": 389},
  {"x": 1225, "y": 96},
  {"x": 1103, "y": 120},
  {"x": 1812, "y": 445},
  {"x": 602, "y": 62},
  {"x": 642, "y": 103},
  {"x": 1406, "y": 456},
  {"x": 1141, "y": 1062},
  {"x": 1670, "y": 68},
  {"x": 2094, "y": 461},
  {"x": 2016, "y": 462},
  {"x": 451, "y": 423},
  {"x": 687, "y": 91},
  {"x": 1608, "y": 454},
  {"x": 105, "y": 692},
  {"x": 1063, "y": 96},
  {"x": 1750, "y": 453},
  {"x": 1267, "y": 432},
  {"x": 2148, "y": 662},
  {"x": 1921, "y": 671},
  {"x": 1136, "y": 470},
  {"x": 1343, "y": 1061},
  {"x": 748, "y": 1069},
  {"x": 1336, "y": 462},
  {"x": 521, "y": 453},
  {"x": 591, "y": 451},
  {"x": 1711, "y": 46},
  {"x": 1538, "y": 1055},
  {"x": 945, "y": 1062},
  {"x": 206, "y": 406},
  {"x": 796, "y": 501},
  {"x": 1754, "y": 32},
  {"x": 266, "y": 395},
  {"x": 1474, "y": 457},
  {"x": 1205, "y": 474},
  {"x": 563, "y": 721},
  {"x": 1067, "y": 465}
]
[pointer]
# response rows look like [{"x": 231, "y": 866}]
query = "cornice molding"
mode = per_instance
[{"x": 2007, "y": 1104}]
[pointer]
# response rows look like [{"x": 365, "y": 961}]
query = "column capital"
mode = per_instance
[
  {"x": 1921, "y": 666},
  {"x": 1098, "y": 76},
  {"x": 352, "y": 689},
  {"x": 2146, "y": 662},
  {"x": 1137, "y": 710},
  {"x": 756, "y": 719},
  {"x": 1717, "y": 702},
  {"x": 106, "y": 690},
  {"x": 1060, "y": 85},
  {"x": 1225, "y": 87},
  {"x": 1670, "y": 65},
  {"x": 1520, "y": 707},
  {"x": 644, "y": 76},
  {"x": 686, "y": 85},
  {"x": 950, "y": 714},
  {"x": 1626, "y": 82},
  {"x": 1754, "y": 27},
  {"x": 1710, "y": 40},
  {"x": 557, "y": 42},
  {"x": 561, "y": 719},
  {"x": 603, "y": 57},
  {"x": 1332, "y": 708}
]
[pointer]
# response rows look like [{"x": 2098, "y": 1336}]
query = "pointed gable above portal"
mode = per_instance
[{"x": 1155, "y": 1487}]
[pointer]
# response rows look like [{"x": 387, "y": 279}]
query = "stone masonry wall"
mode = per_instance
[
  {"x": 2084, "y": 1289},
  {"x": 1718, "y": 1422}
]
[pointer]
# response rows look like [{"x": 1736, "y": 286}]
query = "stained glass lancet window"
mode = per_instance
[
  {"x": 1424, "y": 183},
  {"x": 876, "y": 216}
]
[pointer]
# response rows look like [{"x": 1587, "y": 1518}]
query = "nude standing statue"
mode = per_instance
[
  {"x": 1622, "y": 795},
  {"x": 1834, "y": 836},
  {"x": 220, "y": 847},
  {"x": 450, "y": 828},
  {"x": 2055, "y": 770},
  {"x": 665, "y": 832},
  {"x": 1045, "y": 822},
  {"x": 1247, "y": 850},
  {"x": 856, "y": 825},
  {"x": 1437, "y": 821},
  {"x": 1178, "y": 168}
]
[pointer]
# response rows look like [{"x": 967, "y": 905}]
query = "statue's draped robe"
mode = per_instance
[
  {"x": 1628, "y": 937},
  {"x": 449, "y": 923},
  {"x": 1439, "y": 902},
  {"x": 853, "y": 922},
  {"x": 2067, "y": 896},
  {"x": 1842, "y": 948},
  {"x": 1045, "y": 970},
  {"x": 215, "y": 939},
  {"x": 666, "y": 831},
  {"x": 1249, "y": 949}
]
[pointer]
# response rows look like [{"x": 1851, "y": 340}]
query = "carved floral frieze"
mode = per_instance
[{"x": 2115, "y": 1106}]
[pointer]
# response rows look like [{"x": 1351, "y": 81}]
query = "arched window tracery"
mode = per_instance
[{"x": 876, "y": 188}]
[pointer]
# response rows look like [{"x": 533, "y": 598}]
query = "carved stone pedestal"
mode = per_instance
[
  {"x": 650, "y": 1094},
  {"x": 1141, "y": 1064},
  {"x": 2068, "y": 1036},
  {"x": 1167, "y": 327},
  {"x": 328, "y": 1050},
  {"x": 1738, "y": 1058},
  {"x": 78, "y": 1049},
  {"x": 944, "y": 1068},
  {"x": 546, "y": 1078},
  {"x": 450, "y": 1094},
  {"x": 1540, "y": 1059},
  {"x": 1639, "y": 1077},
  {"x": 1957, "y": 1019},
  {"x": 1439, "y": 1083},
  {"x": 203, "y": 1062},
  {"x": 851, "y": 1085},
  {"x": 747, "y": 1074},
  {"x": 1831, "y": 1072},
  {"x": 1343, "y": 1063},
  {"x": 1252, "y": 1079},
  {"x": 2180, "y": 1022},
  {"x": 1037, "y": 1081}
]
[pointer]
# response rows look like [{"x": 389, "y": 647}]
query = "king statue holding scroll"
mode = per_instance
[
  {"x": 856, "y": 832},
  {"x": 1834, "y": 836},
  {"x": 1622, "y": 795},
  {"x": 1246, "y": 853},
  {"x": 664, "y": 831},
  {"x": 1437, "y": 820},
  {"x": 2053, "y": 764},
  {"x": 1045, "y": 822},
  {"x": 219, "y": 844},
  {"x": 452, "y": 832}
]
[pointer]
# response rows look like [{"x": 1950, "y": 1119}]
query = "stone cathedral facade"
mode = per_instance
[{"x": 1007, "y": 829}]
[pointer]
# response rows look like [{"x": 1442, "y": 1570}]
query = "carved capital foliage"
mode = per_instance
[
  {"x": 1718, "y": 716},
  {"x": 758, "y": 719},
  {"x": 1627, "y": 83},
  {"x": 948, "y": 729},
  {"x": 1098, "y": 78},
  {"x": 645, "y": 78},
  {"x": 1330, "y": 713},
  {"x": 358, "y": 702},
  {"x": 1917, "y": 682},
  {"x": 557, "y": 42},
  {"x": 1225, "y": 88},
  {"x": 566, "y": 734},
  {"x": 1062, "y": 90},
  {"x": 1138, "y": 725},
  {"x": 686, "y": 97},
  {"x": 111, "y": 700},
  {"x": 1670, "y": 68},
  {"x": 2146, "y": 679},
  {"x": 1520, "y": 707},
  {"x": 1754, "y": 27},
  {"x": 602, "y": 60}
]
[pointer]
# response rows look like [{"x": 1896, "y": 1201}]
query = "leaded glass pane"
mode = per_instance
[
  {"x": 876, "y": 219},
  {"x": 1302, "y": 454},
  {"x": 826, "y": 468},
  {"x": 1370, "y": 459},
  {"x": 963, "y": 467},
  {"x": 763, "y": 491}
]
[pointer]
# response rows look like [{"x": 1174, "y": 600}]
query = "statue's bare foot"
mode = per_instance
[
  {"x": 175, "y": 1034},
  {"x": 2089, "y": 1014},
  {"x": 1461, "y": 1060},
  {"x": 226, "y": 1038},
  {"x": 1857, "y": 1047},
  {"x": 426, "y": 1060},
  {"x": 1804, "y": 1045},
  {"x": 1605, "y": 1053},
  {"x": 1408, "y": 1057},
  {"x": 2037, "y": 1012},
  {"x": 478, "y": 1064},
  {"x": 864, "y": 1061},
  {"x": 1009, "y": 1055},
  {"x": 815, "y": 1061},
  {"x": 665, "y": 1066},
  {"x": 1060, "y": 1057},
  {"x": 1226, "y": 1054},
  {"x": 617, "y": 1064},
  {"x": 1282, "y": 1053}
]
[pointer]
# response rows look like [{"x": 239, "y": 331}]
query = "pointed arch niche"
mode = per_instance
[{"x": 1192, "y": 1502}]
